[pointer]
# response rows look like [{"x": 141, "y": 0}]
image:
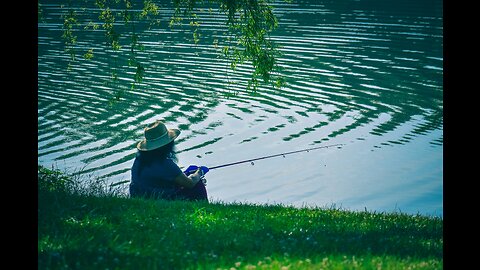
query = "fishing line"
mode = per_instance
[{"x": 272, "y": 156}]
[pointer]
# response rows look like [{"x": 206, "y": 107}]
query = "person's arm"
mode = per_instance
[{"x": 188, "y": 181}]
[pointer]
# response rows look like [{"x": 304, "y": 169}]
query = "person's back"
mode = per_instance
[{"x": 154, "y": 178}]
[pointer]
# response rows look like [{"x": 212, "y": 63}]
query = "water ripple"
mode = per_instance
[{"x": 347, "y": 69}]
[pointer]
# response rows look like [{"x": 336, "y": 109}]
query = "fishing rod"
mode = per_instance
[{"x": 272, "y": 156}]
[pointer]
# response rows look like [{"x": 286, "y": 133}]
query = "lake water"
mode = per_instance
[{"x": 366, "y": 74}]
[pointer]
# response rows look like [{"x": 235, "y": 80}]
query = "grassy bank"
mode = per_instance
[{"x": 90, "y": 227}]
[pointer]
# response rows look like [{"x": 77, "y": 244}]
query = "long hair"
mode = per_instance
[{"x": 164, "y": 152}]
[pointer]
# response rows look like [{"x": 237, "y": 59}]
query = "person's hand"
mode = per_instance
[
  {"x": 196, "y": 176},
  {"x": 193, "y": 168},
  {"x": 199, "y": 175}
]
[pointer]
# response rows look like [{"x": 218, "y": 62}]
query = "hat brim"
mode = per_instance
[{"x": 145, "y": 145}]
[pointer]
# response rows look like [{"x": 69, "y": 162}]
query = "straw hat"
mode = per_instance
[{"x": 156, "y": 136}]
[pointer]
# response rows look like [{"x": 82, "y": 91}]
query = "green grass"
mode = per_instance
[{"x": 94, "y": 227}]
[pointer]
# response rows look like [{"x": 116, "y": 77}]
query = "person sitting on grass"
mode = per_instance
[{"x": 155, "y": 173}]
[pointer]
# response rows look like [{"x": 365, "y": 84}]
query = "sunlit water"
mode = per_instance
[{"x": 365, "y": 74}]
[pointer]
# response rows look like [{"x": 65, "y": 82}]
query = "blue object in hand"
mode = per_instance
[{"x": 193, "y": 168}]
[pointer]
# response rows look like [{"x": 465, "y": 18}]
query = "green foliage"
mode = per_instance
[
  {"x": 82, "y": 231},
  {"x": 88, "y": 55},
  {"x": 111, "y": 34},
  {"x": 249, "y": 22},
  {"x": 53, "y": 181},
  {"x": 50, "y": 180},
  {"x": 149, "y": 9},
  {"x": 70, "y": 39}
]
